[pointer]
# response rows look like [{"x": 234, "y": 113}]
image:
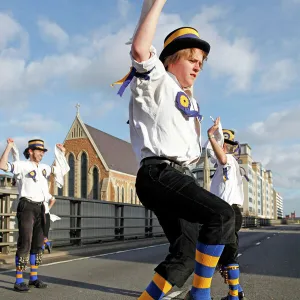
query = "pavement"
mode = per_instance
[{"x": 269, "y": 260}]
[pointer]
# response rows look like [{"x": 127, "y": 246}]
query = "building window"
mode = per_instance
[
  {"x": 59, "y": 191},
  {"x": 123, "y": 195},
  {"x": 131, "y": 196},
  {"x": 118, "y": 194},
  {"x": 95, "y": 183},
  {"x": 71, "y": 179},
  {"x": 84, "y": 171}
]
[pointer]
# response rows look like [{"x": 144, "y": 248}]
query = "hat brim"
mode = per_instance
[
  {"x": 231, "y": 142},
  {"x": 35, "y": 148},
  {"x": 184, "y": 43}
]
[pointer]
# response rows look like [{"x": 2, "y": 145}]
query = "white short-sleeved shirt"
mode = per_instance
[
  {"x": 157, "y": 126},
  {"x": 230, "y": 190},
  {"x": 32, "y": 180}
]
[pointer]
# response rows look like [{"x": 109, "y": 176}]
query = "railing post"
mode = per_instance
[
  {"x": 146, "y": 222},
  {"x": 72, "y": 221},
  {"x": 122, "y": 223},
  {"x": 78, "y": 223},
  {"x": 151, "y": 224},
  {"x": 6, "y": 249}
]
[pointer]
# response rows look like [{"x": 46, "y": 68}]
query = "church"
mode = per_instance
[{"x": 102, "y": 167}]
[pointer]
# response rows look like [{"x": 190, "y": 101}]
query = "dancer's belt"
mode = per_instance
[
  {"x": 156, "y": 160},
  {"x": 30, "y": 201}
]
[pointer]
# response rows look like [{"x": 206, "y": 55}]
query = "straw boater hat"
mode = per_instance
[
  {"x": 183, "y": 38},
  {"x": 36, "y": 144},
  {"x": 229, "y": 137}
]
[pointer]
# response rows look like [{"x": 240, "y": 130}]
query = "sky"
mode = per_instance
[{"x": 56, "y": 54}]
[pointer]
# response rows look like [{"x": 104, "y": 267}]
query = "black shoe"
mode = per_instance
[
  {"x": 21, "y": 287},
  {"x": 241, "y": 296},
  {"x": 48, "y": 247},
  {"x": 37, "y": 284},
  {"x": 188, "y": 296}
]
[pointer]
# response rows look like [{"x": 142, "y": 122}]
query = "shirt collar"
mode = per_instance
[{"x": 176, "y": 80}]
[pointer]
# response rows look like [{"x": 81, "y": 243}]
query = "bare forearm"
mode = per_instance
[
  {"x": 145, "y": 33},
  {"x": 51, "y": 203},
  {"x": 220, "y": 154},
  {"x": 4, "y": 159}
]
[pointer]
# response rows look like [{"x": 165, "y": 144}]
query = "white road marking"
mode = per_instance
[
  {"x": 268, "y": 237},
  {"x": 257, "y": 244},
  {"x": 88, "y": 257},
  {"x": 239, "y": 254},
  {"x": 172, "y": 296}
]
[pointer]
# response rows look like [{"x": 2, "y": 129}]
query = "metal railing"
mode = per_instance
[
  {"x": 82, "y": 221},
  {"x": 90, "y": 221}
]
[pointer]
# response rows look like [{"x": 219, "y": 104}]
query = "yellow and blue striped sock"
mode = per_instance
[
  {"x": 19, "y": 272},
  {"x": 33, "y": 268},
  {"x": 233, "y": 274},
  {"x": 207, "y": 257},
  {"x": 157, "y": 288}
]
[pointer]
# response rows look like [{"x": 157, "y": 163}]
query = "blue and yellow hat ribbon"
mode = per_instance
[{"x": 127, "y": 79}]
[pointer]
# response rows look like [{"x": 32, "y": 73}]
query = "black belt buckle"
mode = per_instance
[{"x": 30, "y": 201}]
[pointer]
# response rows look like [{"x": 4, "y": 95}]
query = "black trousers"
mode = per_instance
[
  {"x": 47, "y": 225},
  {"x": 230, "y": 252},
  {"x": 30, "y": 222},
  {"x": 179, "y": 202}
]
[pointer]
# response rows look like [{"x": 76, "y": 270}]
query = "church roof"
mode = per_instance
[{"x": 118, "y": 154}]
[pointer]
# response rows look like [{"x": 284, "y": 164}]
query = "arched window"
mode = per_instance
[
  {"x": 131, "y": 196},
  {"x": 122, "y": 194},
  {"x": 95, "y": 183},
  {"x": 84, "y": 170},
  {"x": 71, "y": 179},
  {"x": 118, "y": 194},
  {"x": 59, "y": 191}
]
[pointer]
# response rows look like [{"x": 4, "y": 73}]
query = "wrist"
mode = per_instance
[{"x": 210, "y": 136}]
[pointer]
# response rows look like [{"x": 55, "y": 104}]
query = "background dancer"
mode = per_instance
[
  {"x": 227, "y": 184},
  {"x": 32, "y": 181}
]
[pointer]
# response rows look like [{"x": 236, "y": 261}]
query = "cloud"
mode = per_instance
[
  {"x": 33, "y": 123},
  {"x": 235, "y": 59},
  {"x": 275, "y": 142},
  {"x": 123, "y": 7},
  {"x": 280, "y": 76},
  {"x": 279, "y": 126},
  {"x": 11, "y": 35},
  {"x": 52, "y": 32}
]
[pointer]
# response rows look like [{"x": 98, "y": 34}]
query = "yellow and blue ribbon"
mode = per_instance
[
  {"x": 184, "y": 105},
  {"x": 32, "y": 174},
  {"x": 127, "y": 79}
]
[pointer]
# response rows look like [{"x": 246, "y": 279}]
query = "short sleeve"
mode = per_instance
[
  {"x": 153, "y": 65},
  {"x": 15, "y": 167}
]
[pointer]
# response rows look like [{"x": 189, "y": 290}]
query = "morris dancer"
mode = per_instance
[
  {"x": 227, "y": 184},
  {"x": 32, "y": 180},
  {"x": 164, "y": 122}
]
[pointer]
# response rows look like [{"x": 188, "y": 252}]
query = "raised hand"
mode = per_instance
[
  {"x": 215, "y": 127},
  {"x": 61, "y": 147}
]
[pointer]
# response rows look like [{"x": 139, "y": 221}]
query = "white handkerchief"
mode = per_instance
[
  {"x": 220, "y": 140},
  {"x": 15, "y": 153},
  {"x": 54, "y": 218}
]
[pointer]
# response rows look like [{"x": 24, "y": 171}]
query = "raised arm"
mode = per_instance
[
  {"x": 143, "y": 38},
  {"x": 4, "y": 157},
  {"x": 219, "y": 152}
]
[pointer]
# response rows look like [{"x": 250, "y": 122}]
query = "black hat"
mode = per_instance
[
  {"x": 36, "y": 144},
  {"x": 183, "y": 38},
  {"x": 229, "y": 137}
]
